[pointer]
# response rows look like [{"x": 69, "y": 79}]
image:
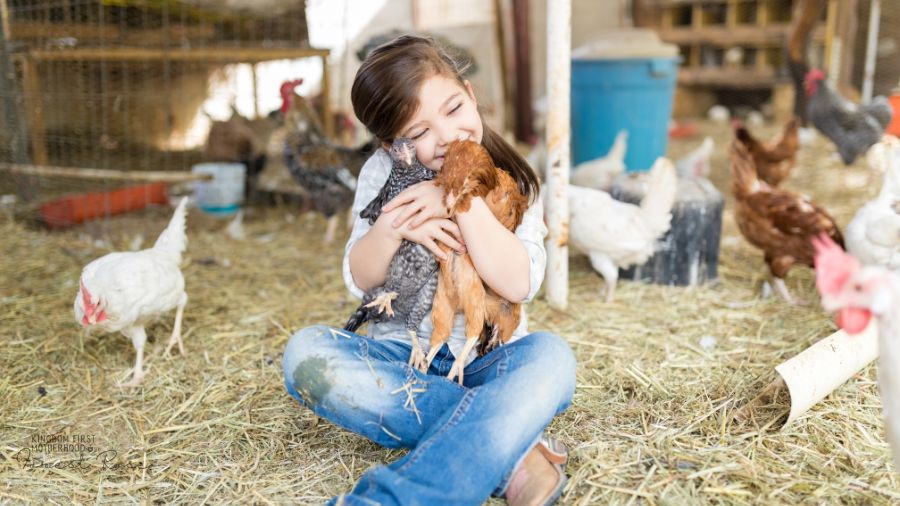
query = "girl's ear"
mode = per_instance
[{"x": 470, "y": 91}]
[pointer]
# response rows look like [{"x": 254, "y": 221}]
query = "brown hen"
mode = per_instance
[
  {"x": 468, "y": 172},
  {"x": 775, "y": 158},
  {"x": 779, "y": 222}
]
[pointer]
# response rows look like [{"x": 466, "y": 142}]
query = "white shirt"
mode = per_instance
[{"x": 531, "y": 232}]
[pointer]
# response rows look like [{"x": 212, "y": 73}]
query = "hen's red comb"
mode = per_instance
[
  {"x": 833, "y": 265},
  {"x": 86, "y": 299}
]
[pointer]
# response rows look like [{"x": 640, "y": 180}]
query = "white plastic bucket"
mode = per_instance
[{"x": 224, "y": 193}]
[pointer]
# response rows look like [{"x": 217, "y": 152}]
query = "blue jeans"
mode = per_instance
[{"x": 464, "y": 441}]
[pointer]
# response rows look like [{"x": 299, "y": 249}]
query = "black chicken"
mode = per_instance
[
  {"x": 853, "y": 128},
  {"x": 408, "y": 290}
]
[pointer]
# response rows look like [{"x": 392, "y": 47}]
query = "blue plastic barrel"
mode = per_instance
[{"x": 609, "y": 95}]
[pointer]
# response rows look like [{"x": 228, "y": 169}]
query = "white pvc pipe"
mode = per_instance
[
  {"x": 871, "y": 50},
  {"x": 559, "y": 66}
]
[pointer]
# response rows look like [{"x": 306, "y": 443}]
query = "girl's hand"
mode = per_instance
[
  {"x": 433, "y": 231},
  {"x": 423, "y": 201}
]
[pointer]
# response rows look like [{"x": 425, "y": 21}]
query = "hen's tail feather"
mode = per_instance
[
  {"x": 656, "y": 206},
  {"x": 360, "y": 316},
  {"x": 620, "y": 146},
  {"x": 173, "y": 239}
]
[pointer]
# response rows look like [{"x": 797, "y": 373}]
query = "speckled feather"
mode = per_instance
[{"x": 412, "y": 273}]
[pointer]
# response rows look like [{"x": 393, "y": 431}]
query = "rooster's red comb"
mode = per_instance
[
  {"x": 834, "y": 266},
  {"x": 287, "y": 93},
  {"x": 815, "y": 74},
  {"x": 287, "y": 87}
]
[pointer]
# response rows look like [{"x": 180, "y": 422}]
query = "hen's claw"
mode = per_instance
[
  {"x": 383, "y": 302},
  {"x": 416, "y": 356}
]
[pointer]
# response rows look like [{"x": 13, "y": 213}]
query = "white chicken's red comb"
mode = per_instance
[
  {"x": 86, "y": 299},
  {"x": 833, "y": 265}
]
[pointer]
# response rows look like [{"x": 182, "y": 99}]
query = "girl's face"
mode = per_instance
[{"x": 447, "y": 112}]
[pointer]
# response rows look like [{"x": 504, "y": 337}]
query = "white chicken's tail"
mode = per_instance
[
  {"x": 656, "y": 206},
  {"x": 619, "y": 147},
  {"x": 173, "y": 240}
]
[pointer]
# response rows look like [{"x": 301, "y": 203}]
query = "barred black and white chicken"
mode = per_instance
[
  {"x": 852, "y": 128},
  {"x": 408, "y": 290}
]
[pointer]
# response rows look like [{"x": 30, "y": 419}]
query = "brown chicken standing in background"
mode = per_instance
[
  {"x": 775, "y": 158},
  {"x": 779, "y": 222},
  {"x": 469, "y": 172}
]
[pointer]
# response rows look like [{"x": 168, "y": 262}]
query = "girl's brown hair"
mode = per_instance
[{"x": 385, "y": 96}]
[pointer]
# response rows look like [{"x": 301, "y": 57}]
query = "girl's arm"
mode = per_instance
[
  {"x": 500, "y": 256},
  {"x": 371, "y": 255}
]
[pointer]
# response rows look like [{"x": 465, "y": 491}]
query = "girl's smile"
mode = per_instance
[{"x": 447, "y": 112}]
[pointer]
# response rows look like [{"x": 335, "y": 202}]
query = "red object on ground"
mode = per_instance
[
  {"x": 894, "y": 126},
  {"x": 683, "y": 130},
  {"x": 74, "y": 209}
]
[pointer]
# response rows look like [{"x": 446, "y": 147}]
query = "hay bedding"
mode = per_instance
[{"x": 651, "y": 421}]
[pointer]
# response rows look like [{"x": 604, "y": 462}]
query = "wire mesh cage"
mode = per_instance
[{"x": 135, "y": 85}]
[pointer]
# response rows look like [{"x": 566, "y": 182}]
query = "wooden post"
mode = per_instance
[
  {"x": 34, "y": 105},
  {"x": 845, "y": 38},
  {"x": 805, "y": 17},
  {"x": 871, "y": 43},
  {"x": 521, "y": 37},
  {"x": 15, "y": 133},
  {"x": 559, "y": 69},
  {"x": 327, "y": 118},
  {"x": 255, "y": 91}
]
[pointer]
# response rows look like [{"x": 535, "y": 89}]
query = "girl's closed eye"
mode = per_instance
[
  {"x": 455, "y": 109},
  {"x": 419, "y": 135}
]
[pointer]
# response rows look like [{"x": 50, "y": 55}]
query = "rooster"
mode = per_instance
[
  {"x": 124, "y": 291},
  {"x": 779, "y": 222},
  {"x": 599, "y": 173},
  {"x": 617, "y": 234},
  {"x": 775, "y": 158},
  {"x": 469, "y": 172},
  {"x": 326, "y": 172},
  {"x": 873, "y": 236},
  {"x": 858, "y": 293},
  {"x": 852, "y": 128},
  {"x": 412, "y": 274}
]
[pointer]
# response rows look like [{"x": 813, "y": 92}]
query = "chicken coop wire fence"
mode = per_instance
[
  {"x": 733, "y": 52},
  {"x": 134, "y": 85}
]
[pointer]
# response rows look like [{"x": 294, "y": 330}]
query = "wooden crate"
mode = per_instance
[{"x": 728, "y": 44}]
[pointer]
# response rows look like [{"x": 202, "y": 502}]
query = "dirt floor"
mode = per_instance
[{"x": 651, "y": 420}]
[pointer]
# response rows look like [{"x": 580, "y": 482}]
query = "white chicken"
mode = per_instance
[
  {"x": 617, "y": 234},
  {"x": 599, "y": 173},
  {"x": 859, "y": 293},
  {"x": 124, "y": 291},
  {"x": 696, "y": 163},
  {"x": 873, "y": 236}
]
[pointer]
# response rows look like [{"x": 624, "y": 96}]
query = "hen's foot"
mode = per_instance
[
  {"x": 459, "y": 364},
  {"x": 176, "y": 338},
  {"x": 136, "y": 380},
  {"x": 416, "y": 356},
  {"x": 383, "y": 303},
  {"x": 782, "y": 290}
]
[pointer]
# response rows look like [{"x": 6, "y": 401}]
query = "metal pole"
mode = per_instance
[
  {"x": 559, "y": 67},
  {"x": 871, "y": 45}
]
